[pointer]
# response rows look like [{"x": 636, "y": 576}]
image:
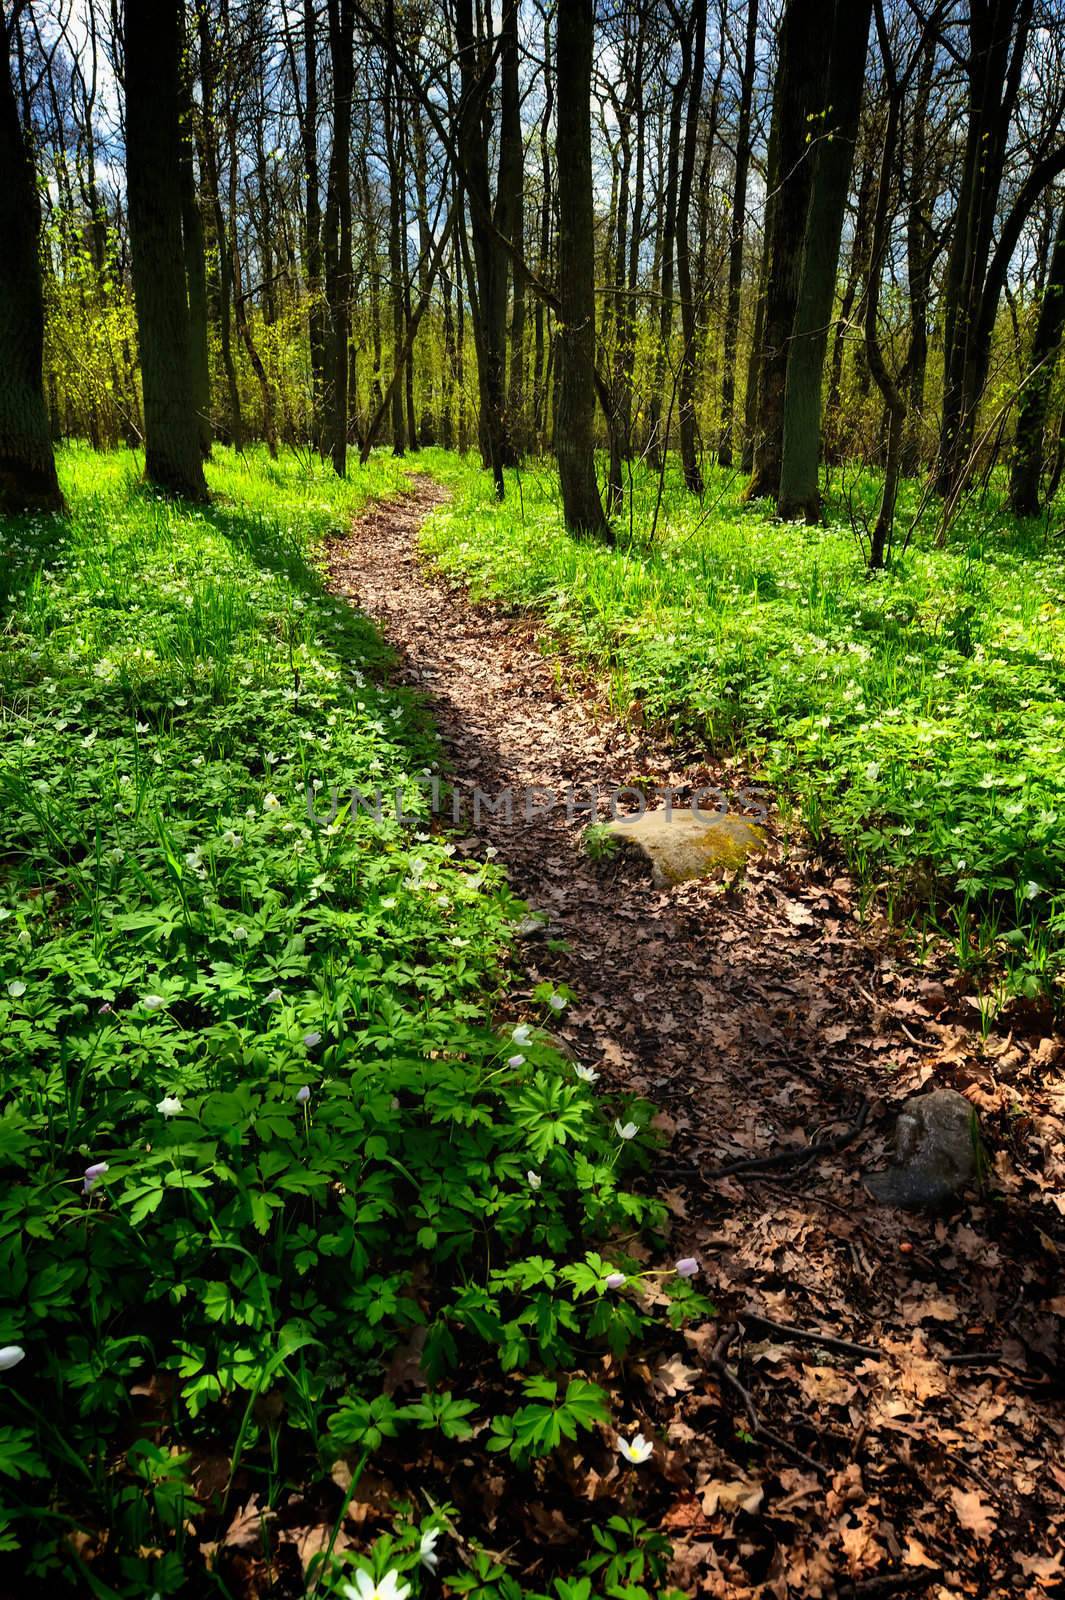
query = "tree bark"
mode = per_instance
[
  {"x": 799, "y": 495},
  {"x": 998, "y": 35},
  {"x": 799, "y": 96},
  {"x": 28, "y": 479},
  {"x": 1035, "y": 397},
  {"x": 173, "y": 454},
  {"x": 726, "y": 447},
  {"x": 341, "y": 23},
  {"x": 695, "y": 50},
  {"x": 574, "y": 445}
]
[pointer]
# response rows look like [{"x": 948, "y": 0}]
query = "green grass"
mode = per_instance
[
  {"x": 258, "y": 1125},
  {"x": 915, "y": 717}
]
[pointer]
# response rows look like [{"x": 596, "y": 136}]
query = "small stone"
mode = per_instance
[
  {"x": 682, "y": 844},
  {"x": 937, "y": 1146}
]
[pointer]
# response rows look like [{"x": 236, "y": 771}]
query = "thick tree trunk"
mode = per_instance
[
  {"x": 195, "y": 275},
  {"x": 509, "y": 221},
  {"x": 998, "y": 33},
  {"x": 544, "y": 259},
  {"x": 312, "y": 220},
  {"x": 27, "y": 467},
  {"x": 695, "y": 51},
  {"x": 210, "y": 167},
  {"x": 657, "y": 432},
  {"x": 1035, "y": 397},
  {"x": 341, "y": 15},
  {"x": 489, "y": 258},
  {"x": 173, "y": 454},
  {"x": 799, "y": 495},
  {"x": 726, "y": 446},
  {"x": 799, "y": 95},
  {"x": 574, "y": 444}
]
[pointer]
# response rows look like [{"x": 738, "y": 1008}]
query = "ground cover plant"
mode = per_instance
[
  {"x": 264, "y": 1136},
  {"x": 915, "y": 716}
]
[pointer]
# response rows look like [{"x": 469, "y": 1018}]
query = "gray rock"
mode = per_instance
[{"x": 938, "y": 1151}]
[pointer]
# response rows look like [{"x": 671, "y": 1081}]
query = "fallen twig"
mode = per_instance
[
  {"x": 788, "y": 1158},
  {"x": 758, "y": 1427},
  {"x": 845, "y": 1347},
  {"x": 892, "y": 1583}
]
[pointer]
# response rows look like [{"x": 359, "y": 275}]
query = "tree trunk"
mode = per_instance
[
  {"x": 195, "y": 274},
  {"x": 210, "y": 167},
  {"x": 312, "y": 221},
  {"x": 173, "y": 454},
  {"x": 574, "y": 445},
  {"x": 509, "y": 221},
  {"x": 799, "y": 96},
  {"x": 657, "y": 436},
  {"x": 489, "y": 260},
  {"x": 28, "y": 479},
  {"x": 998, "y": 34},
  {"x": 695, "y": 51},
  {"x": 341, "y": 15},
  {"x": 1035, "y": 397},
  {"x": 799, "y": 495},
  {"x": 725, "y": 447}
]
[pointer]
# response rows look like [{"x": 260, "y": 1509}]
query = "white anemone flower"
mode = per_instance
[
  {"x": 387, "y": 1588},
  {"x": 428, "y": 1554},
  {"x": 627, "y": 1130},
  {"x": 153, "y": 1002},
  {"x": 587, "y": 1074},
  {"x": 271, "y": 803},
  {"x": 522, "y": 1035},
  {"x": 534, "y": 1180},
  {"x": 10, "y": 1356},
  {"x": 635, "y": 1450}
]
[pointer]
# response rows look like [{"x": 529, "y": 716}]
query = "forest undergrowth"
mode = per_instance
[{"x": 913, "y": 718}]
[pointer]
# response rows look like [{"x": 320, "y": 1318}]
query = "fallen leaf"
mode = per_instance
[{"x": 974, "y": 1514}]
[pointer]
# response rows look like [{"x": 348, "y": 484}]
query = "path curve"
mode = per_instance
[{"x": 755, "y": 1020}]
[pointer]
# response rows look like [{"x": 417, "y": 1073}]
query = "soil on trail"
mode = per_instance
[{"x": 761, "y": 1019}]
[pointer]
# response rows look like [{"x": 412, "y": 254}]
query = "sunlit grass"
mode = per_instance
[{"x": 916, "y": 717}]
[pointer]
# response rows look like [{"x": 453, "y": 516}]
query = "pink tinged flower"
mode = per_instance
[
  {"x": 106, "y": 1009},
  {"x": 515, "y": 1061},
  {"x": 687, "y": 1267},
  {"x": 635, "y": 1450},
  {"x": 614, "y": 1280},
  {"x": 10, "y": 1356},
  {"x": 312, "y": 1038},
  {"x": 303, "y": 1095},
  {"x": 93, "y": 1175}
]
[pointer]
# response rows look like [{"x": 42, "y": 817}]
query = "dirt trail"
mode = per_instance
[{"x": 758, "y": 1020}]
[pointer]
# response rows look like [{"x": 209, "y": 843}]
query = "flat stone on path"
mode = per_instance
[{"x": 682, "y": 845}]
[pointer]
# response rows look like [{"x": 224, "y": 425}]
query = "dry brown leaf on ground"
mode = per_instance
[{"x": 975, "y": 1515}]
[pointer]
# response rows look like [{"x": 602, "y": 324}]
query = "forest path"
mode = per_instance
[{"x": 757, "y": 1020}]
